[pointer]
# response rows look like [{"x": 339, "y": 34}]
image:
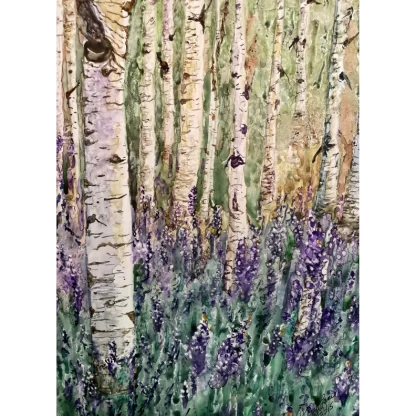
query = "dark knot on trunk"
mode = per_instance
[{"x": 97, "y": 50}]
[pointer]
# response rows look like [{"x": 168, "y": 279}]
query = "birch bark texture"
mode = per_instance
[
  {"x": 72, "y": 129},
  {"x": 147, "y": 104},
  {"x": 326, "y": 197},
  {"x": 269, "y": 180},
  {"x": 351, "y": 210},
  {"x": 208, "y": 183},
  {"x": 349, "y": 223},
  {"x": 238, "y": 224},
  {"x": 168, "y": 95},
  {"x": 300, "y": 101},
  {"x": 59, "y": 108},
  {"x": 191, "y": 101},
  {"x": 107, "y": 199}
]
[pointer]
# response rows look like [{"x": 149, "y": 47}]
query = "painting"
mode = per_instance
[{"x": 207, "y": 207}]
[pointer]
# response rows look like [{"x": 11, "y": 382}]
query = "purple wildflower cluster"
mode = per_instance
[
  {"x": 111, "y": 359},
  {"x": 342, "y": 384},
  {"x": 354, "y": 314},
  {"x": 331, "y": 319},
  {"x": 59, "y": 143},
  {"x": 246, "y": 267},
  {"x": 275, "y": 248},
  {"x": 157, "y": 313},
  {"x": 229, "y": 357},
  {"x": 68, "y": 274},
  {"x": 192, "y": 200},
  {"x": 274, "y": 344},
  {"x": 198, "y": 346},
  {"x": 337, "y": 249},
  {"x": 216, "y": 222}
]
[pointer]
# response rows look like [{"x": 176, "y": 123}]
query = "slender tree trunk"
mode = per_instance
[
  {"x": 350, "y": 218},
  {"x": 168, "y": 97},
  {"x": 147, "y": 103},
  {"x": 208, "y": 184},
  {"x": 59, "y": 109},
  {"x": 300, "y": 103},
  {"x": 326, "y": 197},
  {"x": 268, "y": 180},
  {"x": 107, "y": 199},
  {"x": 238, "y": 224},
  {"x": 189, "y": 151},
  {"x": 72, "y": 131},
  {"x": 310, "y": 310}
]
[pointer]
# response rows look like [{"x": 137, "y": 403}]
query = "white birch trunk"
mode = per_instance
[
  {"x": 192, "y": 98},
  {"x": 300, "y": 103},
  {"x": 72, "y": 130},
  {"x": 59, "y": 105},
  {"x": 147, "y": 103},
  {"x": 310, "y": 310},
  {"x": 208, "y": 184},
  {"x": 351, "y": 212},
  {"x": 238, "y": 225},
  {"x": 109, "y": 222},
  {"x": 351, "y": 209},
  {"x": 269, "y": 180},
  {"x": 168, "y": 97},
  {"x": 326, "y": 197}
]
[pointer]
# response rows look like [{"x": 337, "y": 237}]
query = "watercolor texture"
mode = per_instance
[{"x": 207, "y": 195}]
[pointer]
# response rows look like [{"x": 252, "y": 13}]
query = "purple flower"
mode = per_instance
[
  {"x": 59, "y": 143},
  {"x": 111, "y": 359},
  {"x": 229, "y": 358},
  {"x": 342, "y": 387},
  {"x": 246, "y": 268},
  {"x": 354, "y": 314},
  {"x": 192, "y": 199},
  {"x": 198, "y": 346},
  {"x": 275, "y": 343}
]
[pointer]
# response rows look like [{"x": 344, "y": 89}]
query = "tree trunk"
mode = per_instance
[
  {"x": 107, "y": 198},
  {"x": 147, "y": 104},
  {"x": 350, "y": 217},
  {"x": 326, "y": 197},
  {"x": 268, "y": 180},
  {"x": 189, "y": 151},
  {"x": 208, "y": 184},
  {"x": 72, "y": 130},
  {"x": 59, "y": 110},
  {"x": 238, "y": 225},
  {"x": 168, "y": 97},
  {"x": 300, "y": 103}
]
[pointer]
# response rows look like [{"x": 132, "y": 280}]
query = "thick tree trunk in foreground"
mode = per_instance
[
  {"x": 189, "y": 150},
  {"x": 238, "y": 225},
  {"x": 268, "y": 180},
  {"x": 326, "y": 197},
  {"x": 168, "y": 97},
  {"x": 72, "y": 130},
  {"x": 59, "y": 108},
  {"x": 109, "y": 222},
  {"x": 147, "y": 104},
  {"x": 208, "y": 184}
]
